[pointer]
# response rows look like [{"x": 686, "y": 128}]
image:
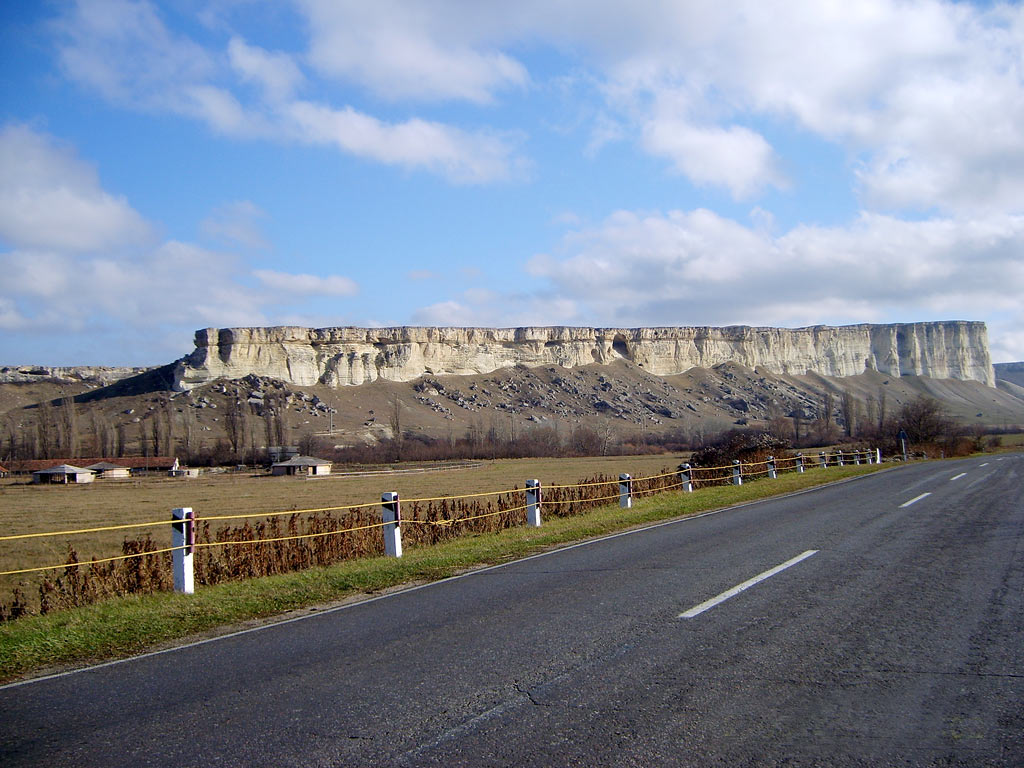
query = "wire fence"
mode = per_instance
[{"x": 281, "y": 542}]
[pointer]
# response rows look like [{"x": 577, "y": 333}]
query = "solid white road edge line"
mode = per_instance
[
  {"x": 698, "y": 609},
  {"x": 957, "y": 477},
  {"x": 914, "y": 500}
]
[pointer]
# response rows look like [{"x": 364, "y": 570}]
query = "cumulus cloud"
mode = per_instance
[
  {"x": 462, "y": 157},
  {"x": 238, "y": 223},
  {"x": 50, "y": 198},
  {"x": 409, "y": 51},
  {"x": 83, "y": 266},
  {"x": 276, "y": 73},
  {"x": 305, "y": 285},
  {"x": 699, "y": 268},
  {"x": 125, "y": 51}
]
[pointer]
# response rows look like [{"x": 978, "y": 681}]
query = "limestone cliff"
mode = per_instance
[
  {"x": 97, "y": 375},
  {"x": 349, "y": 356}
]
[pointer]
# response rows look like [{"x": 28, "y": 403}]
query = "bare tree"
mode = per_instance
[
  {"x": 143, "y": 439},
  {"x": 395, "y": 422},
  {"x": 830, "y": 405},
  {"x": 188, "y": 434},
  {"x": 157, "y": 427},
  {"x": 46, "y": 430},
  {"x": 234, "y": 425},
  {"x": 308, "y": 444},
  {"x": 69, "y": 427},
  {"x": 848, "y": 406},
  {"x": 281, "y": 420}
]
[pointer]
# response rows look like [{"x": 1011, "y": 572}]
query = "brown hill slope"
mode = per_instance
[{"x": 619, "y": 401}]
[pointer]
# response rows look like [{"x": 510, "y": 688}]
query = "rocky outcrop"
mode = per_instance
[
  {"x": 350, "y": 356},
  {"x": 82, "y": 374}
]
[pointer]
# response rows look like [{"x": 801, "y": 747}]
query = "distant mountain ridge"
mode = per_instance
[
  {"x": 348, "y": 356},
  {"x": 99, "y": 375}
]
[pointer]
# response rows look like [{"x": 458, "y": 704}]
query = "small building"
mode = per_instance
[
  {"x": 107, "y": 470},
  {"x": 177, "y": 470},
  {"x": 63, "y": 473},
  {"x": 3, "y": 471},
  {"x": 302, "y": 465}
]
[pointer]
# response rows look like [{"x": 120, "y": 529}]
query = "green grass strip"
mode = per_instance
[{"x": 125, "y": 626}]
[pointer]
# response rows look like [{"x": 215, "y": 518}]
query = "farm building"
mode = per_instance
[
  {"x": 63, "y": 473},
  {"x": 134, "y": 463},
  {"x": 302, "y": 465},
  {"x": 177, "y": 470},
  {"x": 110, "y": 471}
]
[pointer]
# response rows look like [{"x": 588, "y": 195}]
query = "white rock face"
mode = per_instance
[
  {"x": 88, "y": 374},
  {"x": 341, "y": 357}
]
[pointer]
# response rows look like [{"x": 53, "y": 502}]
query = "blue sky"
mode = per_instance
[{"x": 172, "y": 166}]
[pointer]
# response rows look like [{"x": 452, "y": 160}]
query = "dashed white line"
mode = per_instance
[
  {"x": 983, "y": 465},
  {"x": 957, "y": 477},
  {"x": 698, "y": 609},
  {"x": 914, "y": 500}
]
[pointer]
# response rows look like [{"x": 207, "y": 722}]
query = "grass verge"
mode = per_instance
[{"x": 126, "y": 626}]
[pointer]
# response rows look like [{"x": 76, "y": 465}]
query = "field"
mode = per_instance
[{"x": 27, "y": 508}]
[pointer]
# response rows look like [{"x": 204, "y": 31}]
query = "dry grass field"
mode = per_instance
[{"x": 27, "y": 508}]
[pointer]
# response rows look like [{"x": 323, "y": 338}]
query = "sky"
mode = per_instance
[{"x": 166, "y": 167}]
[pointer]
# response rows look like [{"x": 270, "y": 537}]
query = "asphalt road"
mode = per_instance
[{"x": 900, "y": 641}]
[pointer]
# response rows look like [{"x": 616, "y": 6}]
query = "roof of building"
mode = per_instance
[
  {"x": 302, "y": 461},
  {"x": 132, "y": 462},
  {"x": 63, "y": 469},
  {"x": 103, "y": 466}
]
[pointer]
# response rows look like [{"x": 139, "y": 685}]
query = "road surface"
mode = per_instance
[{"x": 873, "y": 622}]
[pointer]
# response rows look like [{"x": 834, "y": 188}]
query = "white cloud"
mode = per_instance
[
  {"x": 237, "y": 222},
  {"x": 460, "y": 156},
  {"x": 174, "y": 285},
  {"x": 276, "y": 73},
  {"x": 306, "y": 285},
  {"x": 410, "y": 51},
  {"x": 125, "y": 51},
  {"x": 49, "y": 198},
  {"x": 698, "y": 268},
  {"x": 734, "y": 157},
  {"x": 83, "y": 266}
]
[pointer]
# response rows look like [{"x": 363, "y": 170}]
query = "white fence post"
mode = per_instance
[
  {"x": 391, "y": 511},
  {"x": 839, "y": 458},
  {"x": 625, "y": 491},
  {"x": 878, "y": 455},
  {"x": 822, "y": 459},
  {"x": 737, "y": 474},
  {"x": 686, "y": 477},
  {"x": 856, "y": 457},
  {"x": 800, "y": 462},
  {"x": 773, "y": 472},
  {"x": 533, "y": 503},
  {"x": 183, "y": 539}
]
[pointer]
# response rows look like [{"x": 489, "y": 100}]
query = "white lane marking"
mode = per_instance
[
  {"x": 914, "y": 500},
  {"x": 698, "y": 609},
  {"x": 983, "y": 465},
  {"x": 957, "y": 477}
]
